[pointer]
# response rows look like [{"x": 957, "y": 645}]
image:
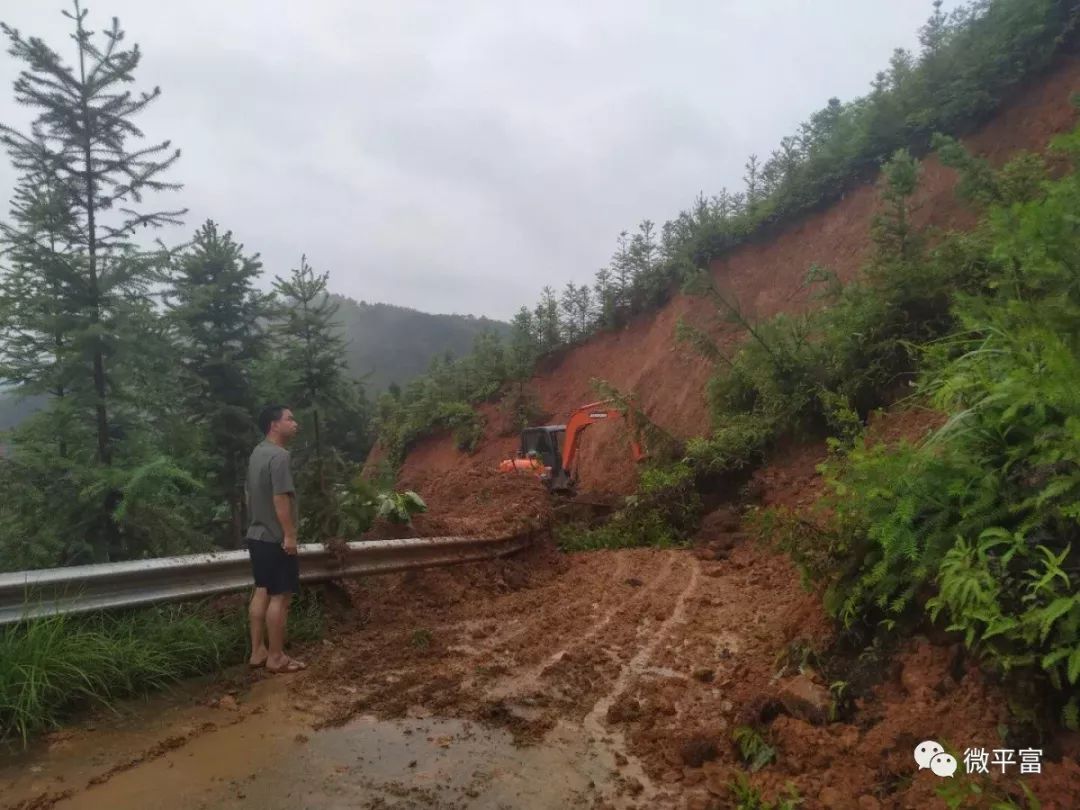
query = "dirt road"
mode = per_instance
[
  {"x": 469, "y": 662},
  {"x": 608, "y": 679}
]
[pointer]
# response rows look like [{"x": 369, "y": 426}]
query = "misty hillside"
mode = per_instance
[
  {"x": 395, "y": 344},
  {"x": 13, "y": 409}
]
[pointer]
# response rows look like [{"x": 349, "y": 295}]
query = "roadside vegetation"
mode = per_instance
[
  {"x": 973, "y": 529},
  {"x": 52, "y": 668}
]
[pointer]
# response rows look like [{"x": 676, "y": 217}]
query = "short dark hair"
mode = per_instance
[{"x": 270, "y": 414}]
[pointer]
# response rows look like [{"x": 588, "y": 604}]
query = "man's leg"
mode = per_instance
[
  {"x": 277, "y": 615},
  {"x": 287, "y": 582},
  {"x": 260, "y": 601}
]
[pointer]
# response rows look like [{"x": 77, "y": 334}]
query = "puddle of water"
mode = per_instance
[
  {"x": 72, "y": 756},
  {"x": 435, "y": 763},
  {"x": 267, "y": 757}
]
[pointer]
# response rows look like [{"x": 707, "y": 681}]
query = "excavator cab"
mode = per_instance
[{"x": 547, "y": 442}]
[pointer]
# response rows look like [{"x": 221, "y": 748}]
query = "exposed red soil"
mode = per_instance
[
  {"x": 909, "y": 425},
  {"x": 791, "y": 479},
  {"x": 766, "y": 278},
  {"x": 477, "y": 501}
]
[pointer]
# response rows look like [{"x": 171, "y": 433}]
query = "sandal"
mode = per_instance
[{"x": 292, "y": 665}]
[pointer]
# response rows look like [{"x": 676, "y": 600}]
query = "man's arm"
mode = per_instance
[
  {"x": 283, "y": 509},
  {"x": 282, "y": 484}
]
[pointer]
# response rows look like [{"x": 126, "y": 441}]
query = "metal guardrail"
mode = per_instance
[{"x": 79, "y": 589}]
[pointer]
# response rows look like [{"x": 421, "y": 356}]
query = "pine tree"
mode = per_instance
[
  {"x": 84, "y": 128},
  {"x": 314, "y": 349},
  {"x": 37, "y": 294},
  {"x": 934, "y": 34},
  {"x": 524, "y": 348},
  {"x": 547, "y": 320},
  {"x": 752, "y": 178},
  {"x": 622, "y": 271},
  {"x": 584, "y": 310},
  {"x": 892, "y": 231},
  {"x": 643, "y": 257},
  {"x": 215, "y": 311},
  {"x": 489, "y": 365},
  {"x": 606, "y": 298},
  {"x": 788, "y": 159},
  {"x": 568, "y": 305}
]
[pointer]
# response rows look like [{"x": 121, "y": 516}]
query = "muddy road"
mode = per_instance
[
  {"x": 485, "y": 686},
  {"x": 606, "y": 679}
]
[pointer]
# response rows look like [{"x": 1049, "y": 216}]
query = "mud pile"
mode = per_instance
[{"x": 475, "y": 501}]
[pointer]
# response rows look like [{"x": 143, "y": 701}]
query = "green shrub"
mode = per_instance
[
  {"x": 399, "y": 507},
  {"x": 978, "y": 526},
  {"x": 754, "y": 750},
  {"x": 739, "y": 443},
  {"x": 662, "y": 514},
  {"x": 362, "y": 502}
]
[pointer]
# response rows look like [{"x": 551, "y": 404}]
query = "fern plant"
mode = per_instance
[{"x": 978, "y": 525}]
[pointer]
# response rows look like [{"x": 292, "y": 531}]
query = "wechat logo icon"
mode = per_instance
[{"x": 930, "y": 754}]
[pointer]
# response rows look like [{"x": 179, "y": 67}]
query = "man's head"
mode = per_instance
[{"x": 277, "y": 424}]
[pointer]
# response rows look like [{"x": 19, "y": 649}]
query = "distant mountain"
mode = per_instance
[
  {"x": 393, "y": 344},
  {"x": 396, "y": 344},
  {"x": 13, "y": 410}
]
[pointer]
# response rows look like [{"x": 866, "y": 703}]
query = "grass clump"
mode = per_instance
[
  {"x": 53, "y": 667},
  {"x": 747, "y": 797},
  {"x": 421, "y": 638}
]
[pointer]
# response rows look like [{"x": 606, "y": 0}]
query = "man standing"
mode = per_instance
[{"x": 271, "y": 540}]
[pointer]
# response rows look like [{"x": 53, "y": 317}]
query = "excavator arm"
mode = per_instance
[{"x": 590, "y": 415}]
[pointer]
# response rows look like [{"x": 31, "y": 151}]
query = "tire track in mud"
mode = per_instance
[
  {"x": 612, "y": 739},
  {"x": 531, "y": 678},
  {"x": 636, "y": 666},
  {"x": 555, "y": 667},
  {"x": 578, "y": 604},
  {"x": 466, "y": 656},
  {"x": 569, "y": 688}
]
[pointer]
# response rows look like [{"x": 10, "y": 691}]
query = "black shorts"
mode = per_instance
[{"x": 272, "y": 568}]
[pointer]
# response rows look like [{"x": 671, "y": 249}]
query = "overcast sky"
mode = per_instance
[{"x": 457, "y": 156}]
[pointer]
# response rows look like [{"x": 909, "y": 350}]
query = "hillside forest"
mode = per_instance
[{"x": 128, "y": 458}]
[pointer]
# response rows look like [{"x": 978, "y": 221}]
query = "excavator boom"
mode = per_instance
[{"x": 589, "y": 415}]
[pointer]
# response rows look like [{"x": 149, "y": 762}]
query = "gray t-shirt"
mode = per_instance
[{"x": 268, "y": 475}]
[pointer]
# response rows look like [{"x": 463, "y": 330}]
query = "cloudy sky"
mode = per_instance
[{"x": 457, "y": 156}]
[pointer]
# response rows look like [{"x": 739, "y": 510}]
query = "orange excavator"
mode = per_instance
[{"x": 549, "y": 451}]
